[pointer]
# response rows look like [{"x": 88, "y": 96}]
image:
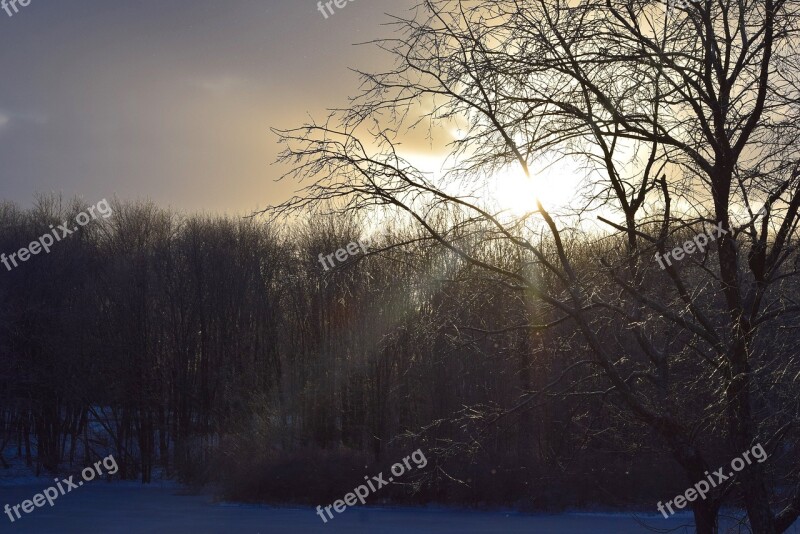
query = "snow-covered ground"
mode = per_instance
[{"x": 101, "y": 508}]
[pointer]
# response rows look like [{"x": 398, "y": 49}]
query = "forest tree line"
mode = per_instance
[{"x": 217, "y": 349}]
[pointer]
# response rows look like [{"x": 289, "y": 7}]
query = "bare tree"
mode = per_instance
[{"x": 682, "y": 118}]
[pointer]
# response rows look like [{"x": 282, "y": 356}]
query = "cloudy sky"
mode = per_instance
[{"x": 170, "y": 100}]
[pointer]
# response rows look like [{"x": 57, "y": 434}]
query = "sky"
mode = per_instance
[{"x": 171, "y": 100}]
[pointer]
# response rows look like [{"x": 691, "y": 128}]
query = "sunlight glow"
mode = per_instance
[
  {"x": 556, "y": 185},
  {"x": 513, "y": 191}
]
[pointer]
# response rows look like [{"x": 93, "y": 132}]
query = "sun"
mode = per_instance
[
  {"x": 556, "y": 185},
  {"x": 513, "y": 192},
  {"x": 555, "y": 182}
]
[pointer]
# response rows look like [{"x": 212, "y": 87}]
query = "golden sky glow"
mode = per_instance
[{"x": 171, "y": 101}]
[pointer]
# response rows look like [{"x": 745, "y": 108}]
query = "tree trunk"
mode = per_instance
[{"x": 706, "y": 517}]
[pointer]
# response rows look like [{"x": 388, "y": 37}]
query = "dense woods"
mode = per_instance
[
  {"x": 219, "y": 350},
  {"x": 675, "y": 120},
  {"x": 545, "y": 359}
]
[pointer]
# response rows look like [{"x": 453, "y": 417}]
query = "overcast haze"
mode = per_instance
[{"x": 170, "y": 100}]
